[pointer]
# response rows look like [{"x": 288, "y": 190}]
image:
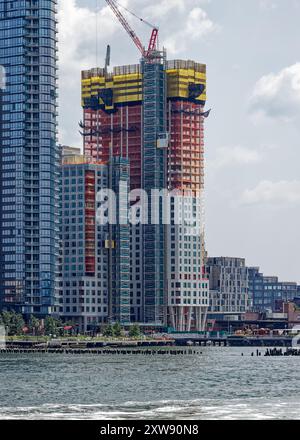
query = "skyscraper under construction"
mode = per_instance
[{"x": 153, "y": 114}]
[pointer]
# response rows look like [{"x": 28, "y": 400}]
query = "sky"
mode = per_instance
[{"x": 252, "y": 147}]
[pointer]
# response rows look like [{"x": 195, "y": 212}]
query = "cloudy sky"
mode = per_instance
[{"x": 252, "y": 52}]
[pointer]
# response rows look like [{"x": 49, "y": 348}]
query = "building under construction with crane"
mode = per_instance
[{"x": 152, "y": 114}]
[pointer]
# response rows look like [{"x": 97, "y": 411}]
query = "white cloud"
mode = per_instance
[
  {"x": 277, "y": 95},
  {"x": 276, "y": 193},
  {"x": 236, "y": 155},
  {"x": 196, "y": 26},
  {"x": 77, "y": 51},
  {"x": 199, "y": 24},
  {"x": 164, "y": 7},
  {"x": 181, "y": 22},
  {"x": 77, "y": 37},
  {"x": 83, "y": 35},
  {"x": 268, "y": 5}
]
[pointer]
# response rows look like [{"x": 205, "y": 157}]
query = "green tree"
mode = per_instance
[
  {"x": 34, "y": 325},
  {"x": 117, "y": 330},
  {"x": 60, "y": 327},
  {"x": 108, "y": 331},
  {"x": 134, "y": 331},
  {"x": 51, "y": 326},
  {"x": 16, "y": 324},
  {"x": 6, "y": 318}
]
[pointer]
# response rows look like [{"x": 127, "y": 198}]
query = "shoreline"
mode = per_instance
[
  {"x": 230, "y": 341},
  {"x": 154, "y": 350}
]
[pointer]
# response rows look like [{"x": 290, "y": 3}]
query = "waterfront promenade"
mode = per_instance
[{"x": 176, "y": 341}]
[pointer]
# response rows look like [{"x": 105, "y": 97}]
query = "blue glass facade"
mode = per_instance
[
  {"x": 267, "y": 293},
  {"x": 29, "y": 161},
  {"x": 154, "y": 178}
]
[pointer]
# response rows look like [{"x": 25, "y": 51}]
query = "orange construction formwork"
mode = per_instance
[
  {"x": 115, "y": 134},
  {"x": 186, "y": 149}
]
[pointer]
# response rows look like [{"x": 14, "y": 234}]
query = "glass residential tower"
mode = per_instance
[{"x": 29, "y": 157}]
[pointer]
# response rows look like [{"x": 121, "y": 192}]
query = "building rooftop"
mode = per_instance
[{"x": 81, "y": 160}]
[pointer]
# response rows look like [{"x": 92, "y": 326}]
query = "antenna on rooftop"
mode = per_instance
[{"x": 107, "y": 59}]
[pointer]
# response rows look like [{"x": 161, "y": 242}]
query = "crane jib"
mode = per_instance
[{"x": 154, "y": 35}]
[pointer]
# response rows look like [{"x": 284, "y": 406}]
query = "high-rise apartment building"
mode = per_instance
[
  {"x": 152, "y": 114},
  {"x": 228, "y": 283},
  {"x": 29, "y": 157},
  {"x": 187, "y": 285},
  {"x": 94, "y": 261}
]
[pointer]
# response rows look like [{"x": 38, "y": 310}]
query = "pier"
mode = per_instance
[
  {"x": 233, "y": 341},
  {"x": 102, "y": 352},
  {"x": 177, "y": 342}
]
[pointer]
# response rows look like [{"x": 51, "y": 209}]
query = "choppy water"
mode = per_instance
[{"x": 219, "y": 384}]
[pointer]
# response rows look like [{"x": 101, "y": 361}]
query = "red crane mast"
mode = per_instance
[{"x": 154, "y": 36}]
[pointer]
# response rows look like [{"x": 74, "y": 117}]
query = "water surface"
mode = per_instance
[{"x": 217, "y": 384}]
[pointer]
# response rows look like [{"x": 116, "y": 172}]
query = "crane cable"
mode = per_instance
[
  {"x": 136, "y": 16},
  {"x": 96, "y": 14}
]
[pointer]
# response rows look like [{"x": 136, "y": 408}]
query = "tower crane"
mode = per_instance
[{"x": 146, "y": 53}]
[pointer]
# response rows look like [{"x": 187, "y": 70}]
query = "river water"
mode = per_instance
[{"x": 217, "y": 384}]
